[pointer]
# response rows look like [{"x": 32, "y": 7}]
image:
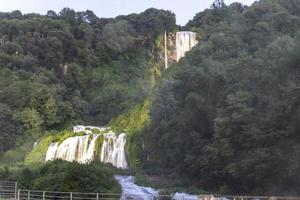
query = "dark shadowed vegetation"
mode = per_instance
[{"x": 226, "y": 118}]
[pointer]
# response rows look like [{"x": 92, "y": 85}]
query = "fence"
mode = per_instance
[
  {"x": 50, "y": 195},
  {"x": 47, "y": 195},
  {"x": 230, "y": 197},
  {"x": 8, "y": 190}
]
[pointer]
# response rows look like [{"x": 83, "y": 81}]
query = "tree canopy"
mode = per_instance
[
  {"x": 72, "y": 67},
  {"x": 226, "y": 117}
]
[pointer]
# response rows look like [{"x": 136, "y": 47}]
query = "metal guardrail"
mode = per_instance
[
  {"x": 231, "y": 197},
  {"x": 8, "y": 190},
  {"x": 49, "y": 195}
]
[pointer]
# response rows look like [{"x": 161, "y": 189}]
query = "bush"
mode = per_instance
[{"x": 65, "y": 176}]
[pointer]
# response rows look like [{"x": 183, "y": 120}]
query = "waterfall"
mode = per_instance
[
  {"x": 83, "y": 149},
  {"x": 185, "y": 41},
  {"x": 113, "y": 150},
  {"x": 67, "y": 150},
  {"x": 166, "y": 50},
  {"x": 51, "y": 151},
  {"x": 90, "y": 152}
]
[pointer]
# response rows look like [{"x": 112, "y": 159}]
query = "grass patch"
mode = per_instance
[
  {"x": 38, "y": 154},
  {"x": 133, "y": 123},
  {"x": 18, "y": 153}
]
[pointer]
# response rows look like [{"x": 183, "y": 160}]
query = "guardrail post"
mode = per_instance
[
  {"x": 97, "y": 196},
  {"x": 28, "y": 197},
  {"x": 71, "y": 195},
  {"x": 18, "y": 194},
  {"x": 44, "y": 195},
  {"x": 16, "y": 190}
]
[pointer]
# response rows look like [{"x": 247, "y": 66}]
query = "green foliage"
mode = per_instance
[
  {"x": 134, "y": 120},
  {"x": 35, "y": 153},
  {"x": 65, "y": 176},
  {"x": 72, "y": 67},
  {"x": 133, "y": 123},
  {"x": 38, "y": 153},
  {"x": 118, "y": 36},
  {"x": 23, "y": 146},
  {"x": 65, "y": 134},
  {"x": 98, "y": 146},
  {"x": 51, "y": 112},
  {"x": 9, "y": 127},
  {"x": 30, "y": 118},
  {"x": 225, "y": 117}
]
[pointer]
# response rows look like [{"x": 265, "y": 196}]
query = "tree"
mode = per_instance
[
  {"x": 16, "y": 14},
  {"x": 118, "y": 36},
  {"x": 217, "y": 4},
  {"x": 68, "y": 15},
  {"x": 224, "y": 118},
  {"x": 9, "y": 127},
  {"x": 50, "y": 112},
  {"x": 30, "y": 118},
  {"x": 52, "y": 14}
]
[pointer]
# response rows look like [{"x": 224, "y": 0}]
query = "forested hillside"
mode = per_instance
[
  {"x": 72, "y": 67},
  {"x": 226, "y": 117}
]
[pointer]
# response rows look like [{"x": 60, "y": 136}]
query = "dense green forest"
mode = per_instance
[
  {"x": 63, "y": 69},
  {"x": 226, "y": 117}
]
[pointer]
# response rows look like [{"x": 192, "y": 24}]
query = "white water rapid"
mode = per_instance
[
  {"x": 185, "y": 41},
  {"x": 106, "y": 147},
  {"x": 132, "y": 191}
]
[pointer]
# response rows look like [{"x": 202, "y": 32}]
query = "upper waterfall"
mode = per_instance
[
  {"x": 185, "y": 41},
  {"x": 106, "y": 147}
]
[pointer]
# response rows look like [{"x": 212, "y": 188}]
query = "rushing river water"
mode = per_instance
[{"x": 130, "y": 190}]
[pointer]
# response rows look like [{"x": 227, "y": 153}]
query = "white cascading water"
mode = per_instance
[
  {"x": 83, "y": 148},
  {"x": 90, "y": 153},
  {"x": 132, "y": 191},
  {"x": 51, "y": 151},
  {"x": 185, "y": 41},
  {"x": 67, "y": 150},
  {"x": 113, "y": 149}
]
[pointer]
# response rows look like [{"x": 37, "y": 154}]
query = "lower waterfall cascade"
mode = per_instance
[{"x": 83, "y": 149}]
